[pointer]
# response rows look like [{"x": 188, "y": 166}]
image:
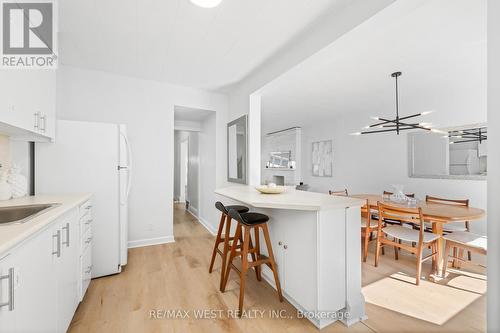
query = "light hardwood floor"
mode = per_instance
[{"x": 175, "y": 277}]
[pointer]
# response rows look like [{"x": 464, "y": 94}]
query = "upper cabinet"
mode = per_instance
[{"x": 28, "y": 104}]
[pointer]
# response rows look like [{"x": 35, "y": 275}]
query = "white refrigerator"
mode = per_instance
[{"x": 95, "y": 158}]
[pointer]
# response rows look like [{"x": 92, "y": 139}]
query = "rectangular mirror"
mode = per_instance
[
  {"x": 280, "y": 160},
  {"x": 458, "y": 152},
  {"x": 237, "y": 150}
]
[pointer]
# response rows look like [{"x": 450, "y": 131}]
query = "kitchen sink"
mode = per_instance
[{"x": 22, "y": 214}]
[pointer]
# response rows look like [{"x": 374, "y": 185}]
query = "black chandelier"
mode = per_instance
[
  {"x": 399, "y": 123},
  {"x": 478, "y": 134}
]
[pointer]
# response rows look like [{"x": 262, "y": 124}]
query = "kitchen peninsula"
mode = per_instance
[{"x": 316, "y": 244}]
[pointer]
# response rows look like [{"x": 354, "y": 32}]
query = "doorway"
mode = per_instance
[{"x": 194, "y": 167}]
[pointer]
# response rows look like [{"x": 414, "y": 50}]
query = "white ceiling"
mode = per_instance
[
  {"x": 439, "y": 45},
  {"x": 178, "y": 42},
  {"x": 182, "y": 113}
]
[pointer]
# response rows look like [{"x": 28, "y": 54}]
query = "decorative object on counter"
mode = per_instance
[
  {"x": 5, "y": 187},
  {"x": 270, "y": 188},
  {"x": 398, "y": 195},
  {"x": 322, "y": 158},
  {"x": 397, "y": 125},
  {"x": 18, "y": 182},
  {"x": 302, "y": 187}
]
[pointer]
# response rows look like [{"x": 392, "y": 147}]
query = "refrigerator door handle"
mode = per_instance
[{"x": 129, "y": 165}]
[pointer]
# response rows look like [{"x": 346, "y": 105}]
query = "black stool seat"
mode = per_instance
[
  {"x": 225, "y": 209},
  {"x": 249, "y": 218}
]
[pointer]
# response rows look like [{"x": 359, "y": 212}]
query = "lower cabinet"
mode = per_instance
[
  {"x": 294, "y": 241},
  {"x": 40, "y": 279}
]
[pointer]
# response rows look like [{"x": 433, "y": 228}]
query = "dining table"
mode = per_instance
[{"x": 437, "y": 214}]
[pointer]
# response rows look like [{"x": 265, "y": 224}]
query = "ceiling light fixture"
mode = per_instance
[
  {"x": 399, "y": 123},
  {"x": 207, "y": 3},
  {"x": 478, "y": 134}
]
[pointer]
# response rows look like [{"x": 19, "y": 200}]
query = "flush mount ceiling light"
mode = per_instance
[
  {"x": 206, "y": 3},
  {"x": 399, "y": 123}
]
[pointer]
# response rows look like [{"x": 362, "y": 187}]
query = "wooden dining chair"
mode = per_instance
[
  {"x": 464, "y": 241},
  {"x": 368, "y": 226},
  {"x": 389, "y": 221},
  {"x": 342, "y": 193},
  {"x": 409, "y": 195},
  {"x": 422, "y": 238},
  {"x": 455, "y": 226}
]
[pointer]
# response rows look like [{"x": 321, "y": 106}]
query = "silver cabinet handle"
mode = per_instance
[
  {"x": 10, "y": 302},
  {"x": 37, "y": 120},
  {"x": 67, "y": 235},
  {"x": 44, "y": 122},
  {"x": 88, "y": 240},
  {"x": 58, "y": 237}
]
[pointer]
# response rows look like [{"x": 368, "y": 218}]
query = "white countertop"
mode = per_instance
[
  {"x": 290, "y": 199},
  {"x": 13, "y": 234}
]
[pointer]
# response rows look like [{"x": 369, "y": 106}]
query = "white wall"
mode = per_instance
[
  {"x": 193, "y": 184},
  {"x": 494, "y": 166},
  {"x": 147, "y": 108},
  {"x": 208, "y": 215}
]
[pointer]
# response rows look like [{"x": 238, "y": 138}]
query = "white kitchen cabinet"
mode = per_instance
[
  {"x": 27, "y": 106},
  {"x": 7, "y": 315},
  {"x": 67, "y": 270},
  {"x": 46, "y": 278},
  {"x": 36, "y": 283},
  {"x": 293, "y": 238}
]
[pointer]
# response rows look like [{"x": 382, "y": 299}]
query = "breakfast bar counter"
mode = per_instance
[{"x": 317, "y": 246}]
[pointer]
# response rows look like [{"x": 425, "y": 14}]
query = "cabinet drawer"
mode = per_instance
[
  {"x": 86, "y": 269},
  {"x": 85, "y": 223},
  {"x": 85, "y": 209},
  {"x": 86, "y": 239}
]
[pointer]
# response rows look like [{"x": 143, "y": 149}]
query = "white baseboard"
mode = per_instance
[
  {"x": 193, "y": 211},
  {"x": 151, "y": 241},
  {"x": 207, "y": 226},
  {"x": 204, "y": 223}
]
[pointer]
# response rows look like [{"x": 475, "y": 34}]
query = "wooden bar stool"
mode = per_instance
[
  {"x": 246, "y": 223},
  {"x": 225, "y": 220}
]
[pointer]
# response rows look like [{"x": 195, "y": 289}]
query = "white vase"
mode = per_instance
[{"x": 5, "y": 189}]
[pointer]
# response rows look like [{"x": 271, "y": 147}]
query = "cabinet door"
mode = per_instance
[
  {"x": 277, "y": 227},
  {"x": 7, "y": 316},
  {"x": 300, "y": 258},
  {"x": 36, "y": 284},
  {"x": 19, "y": 111},
  {"x": 67, "y": 269}
]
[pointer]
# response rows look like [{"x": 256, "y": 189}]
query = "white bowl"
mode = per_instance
[{"x": 270, "y": 190}]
